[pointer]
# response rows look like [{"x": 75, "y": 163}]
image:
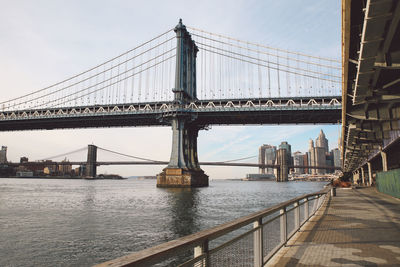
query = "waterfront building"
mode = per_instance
[
  {"x": 298, "y": 159},
  {"x": 319, "y": 154},
  {"x": 319, "y": 159},
  {"x": 266, "y": 155},
  {"x": 65, "y": 169},
  {"x": 3, "y": 155},
  {"x": 309, "y": 161},
  {"x": 261, "y": 158},
  {"x": 270, "y": 156},
  {"x": 285, "y": 145},
  {"x": 329, "y": 162},
  {"x": 321, "y": 141},
  {"x": 336, "y": 157},
  {"x": 306, "y": 162}
]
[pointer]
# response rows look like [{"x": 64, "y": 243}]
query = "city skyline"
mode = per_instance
[
  {"x": 78, "y": 38},
  {"x": 317, "y": 154}
]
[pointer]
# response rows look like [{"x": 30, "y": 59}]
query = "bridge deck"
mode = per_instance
[{"x": 358, "y": 227}]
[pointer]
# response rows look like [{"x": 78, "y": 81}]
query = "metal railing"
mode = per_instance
[{"x": 248, "y": 241}]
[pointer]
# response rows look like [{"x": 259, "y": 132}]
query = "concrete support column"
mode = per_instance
[
  {"x": 362, "y": 175},
  {"x": 356, "y": 176},
  {"x": 91, "y": 163},
  {"x": 369, "y": 173},
  {"x": 384, "y": 161}
]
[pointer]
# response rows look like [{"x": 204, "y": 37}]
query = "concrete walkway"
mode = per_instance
[{"x": 358, "y": 227}]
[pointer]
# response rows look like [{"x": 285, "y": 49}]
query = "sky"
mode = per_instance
[{"x": 43, "y": 42}]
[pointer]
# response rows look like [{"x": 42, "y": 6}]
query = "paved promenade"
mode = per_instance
[{"x": 359, "y": 227}]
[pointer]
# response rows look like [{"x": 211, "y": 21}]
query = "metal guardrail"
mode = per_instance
[{"x": 248, "y": 241}]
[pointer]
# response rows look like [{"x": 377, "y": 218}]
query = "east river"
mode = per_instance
[{"x": 81, "y": 223}]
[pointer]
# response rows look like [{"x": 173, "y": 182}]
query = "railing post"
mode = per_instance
[
  {"x": 333, "y": 192},
  {"x": 306, "y": 209},
  {"x": 258, "y": 243},
  {"x": 315, "y": 206},
  {"x": 200, "y": 250},
  {"x": 297, "y": 215},
  {"x": 283, "y": 223}
]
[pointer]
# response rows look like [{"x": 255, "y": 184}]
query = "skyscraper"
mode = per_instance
[
  {"x": 336, "y": 157},
  {"x": 298, "y": 159},
  {"x": 319, "y": 159},
  {"x": 285, "y": 145},
  {"x": 270, "y": 156},
  {"x": 318, "y": 153},
  {"x": 261, "y": 158},
  {"x": 3, "y": 155},
  {"x": 321, "y": 141},
  {"x": 266, "y": 155}
]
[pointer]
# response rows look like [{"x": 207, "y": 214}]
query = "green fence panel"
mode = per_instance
[{"x": 389, "y": 182}]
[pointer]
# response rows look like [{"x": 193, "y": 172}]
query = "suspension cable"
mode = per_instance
[
  {"x": 302, "y": 74},
  {"x": 271, "y": 62},
  {"x": 65, "y": 154},
  {"x": 267, "y": 47},
  {"x": 266, "y": 53},
  {"x": 103, "y": 81},
  {"x": 239, "y": 159},
  {"x": 106, "y": 86},
  {"x": 84, "y": 72},
  {"x": 126, "y": 155}
]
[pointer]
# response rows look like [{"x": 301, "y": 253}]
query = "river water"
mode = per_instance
[{"x": 81, "y": 222}]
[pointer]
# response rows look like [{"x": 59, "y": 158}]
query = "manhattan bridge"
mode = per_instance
[{"x": 188, "y": 79}]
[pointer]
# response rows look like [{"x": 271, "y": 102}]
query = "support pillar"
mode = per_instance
[
  {"x": 183, "y": 169},
  {"x": 283, "y": 170},
  {"x": 369, "y": 173},
  {"x": 384, "y": 161},
  {"x": 362, "y": 175},
  {"x": 91, "y": 164}
]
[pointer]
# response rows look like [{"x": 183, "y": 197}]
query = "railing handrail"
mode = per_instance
[{"x": 165, "y": 249}]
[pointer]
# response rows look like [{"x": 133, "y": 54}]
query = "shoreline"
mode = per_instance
[{"x": 63, "y": 178}]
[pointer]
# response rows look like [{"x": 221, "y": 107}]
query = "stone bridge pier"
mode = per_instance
[
  {"x": 91, "y": 163},
  {"x": 183, "y": 169},
  {"x": 283, "y": 170}
]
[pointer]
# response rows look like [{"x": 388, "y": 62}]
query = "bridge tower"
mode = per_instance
[
  {"x": 183, "y": 169},
  {"x": 283, "y": 170},
  {"x": 91, "y": 164}
]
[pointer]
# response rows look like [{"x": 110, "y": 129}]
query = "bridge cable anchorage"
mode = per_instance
[
  {"x": 126, "y": 155},
  {"x": 264, "y": 46},
  {"x": 65, "y": 154},
  {"x": 85, "y": 84}
]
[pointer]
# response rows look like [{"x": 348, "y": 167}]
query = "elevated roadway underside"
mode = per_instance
[
  {"x": 310, "y": 110},
  {"x": 371, "y": 78}
]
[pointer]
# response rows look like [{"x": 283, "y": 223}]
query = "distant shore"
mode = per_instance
[{"x": 64, "y": 178}]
